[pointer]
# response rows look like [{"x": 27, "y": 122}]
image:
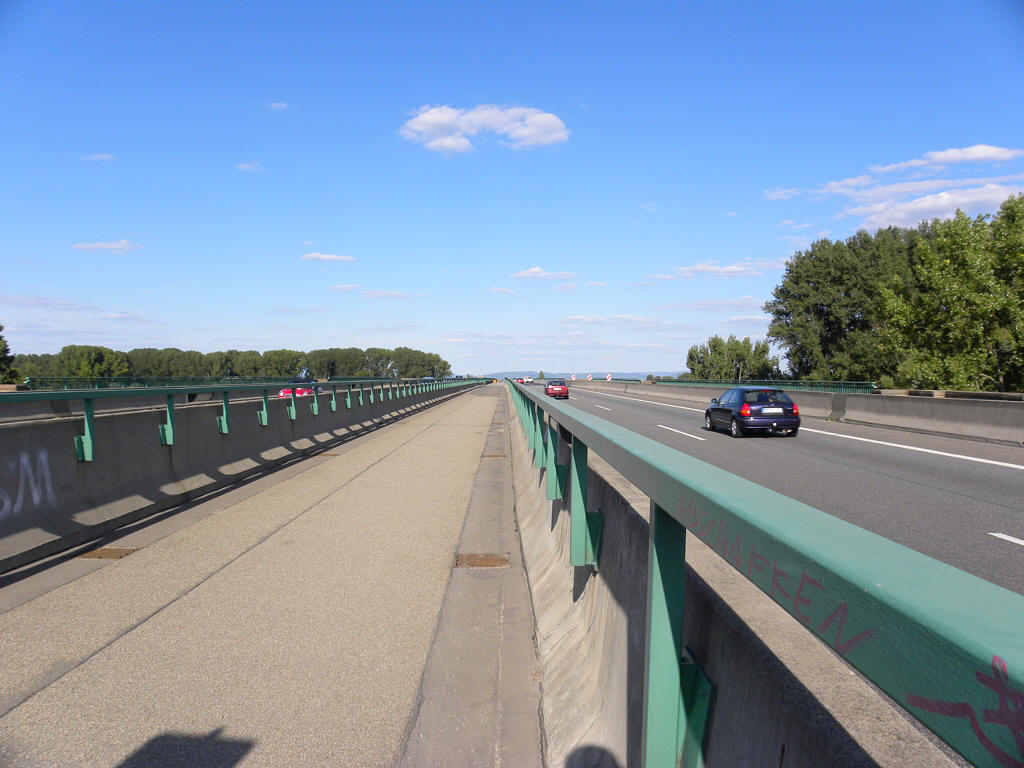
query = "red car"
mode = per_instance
[
  {"x": 557, "y": 388},
  {"x": 303, "y": 388}
]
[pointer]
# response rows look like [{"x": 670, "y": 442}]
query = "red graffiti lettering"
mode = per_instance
[
  {"x": 798, "y": 600},
  {"x": 1009, "y": 715},
  {"x": 693, "y": 512},
  {"x": 735, "y": 553},
  {"x": 776, "y": 571},
  {"x": 723, "y": 537},
  {"x": 844, "y": 648},
  {"x": 710, "y": 523},
  {"x": 752, "y": 563}
]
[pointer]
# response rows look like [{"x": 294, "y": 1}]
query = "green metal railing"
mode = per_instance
[
  {"x": 945, "y": 645},
  {"x": 46, "y": 383},
  {"x": 841, "y": 387},
  {"x": 372, "y": 390}
]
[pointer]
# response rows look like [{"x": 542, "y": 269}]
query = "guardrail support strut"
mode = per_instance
[
  {"x": 167, "y": 430},
  {"x": 83, "y": 443},
  {"x": 585, "y": 527},
  {"x": 263, "y": 417}
]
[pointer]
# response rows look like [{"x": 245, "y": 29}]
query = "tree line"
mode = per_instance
[
  {"x": 147, "y": 362},
  {"x": 940, "y": 306}
]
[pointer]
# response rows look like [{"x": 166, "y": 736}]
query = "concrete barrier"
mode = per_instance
[
  {"x": 50, "y": 501},
  {"x": 782, "y": 697}
]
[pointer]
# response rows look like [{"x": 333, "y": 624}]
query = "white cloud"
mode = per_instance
[
  {"x": 566, "y": 287},
  {"x": 596, "y": 284},
  {"x": 979, "y": 153},
  {"x": 496, "y": 289},
  {"x": 650, "y": 207},
  {"x": 796, "y": 241},
  {"x": 714, "y": 268},
  {"x": 39, "y": 302},
  {"x": 117, "y": 246},
  {"x": 543, "y": 274},
  {"x": 250, "y": 167},
  {"x": 846, "y": 186},
  {"x": 325, "y": 257},
  {"x": 371, "y": 293},
  {"x": 633, "y": 321},
  {"x": 730, "y": 214},
  {"x": 778, "y": 193},
  {"x": 99, "y": 157},
  {"x": 661, "y": 277},
  {"x": 347, "y": 287},
  {"x": 940, "y": 205},
  {"x": 447, "y": 129},
  {"x": 277, "y": 106}
]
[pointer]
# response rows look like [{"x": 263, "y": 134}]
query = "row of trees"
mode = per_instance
[
  {"x": 93, "y": 361},
  {"x": 936, "y": 307},
  {"x": 940, "y": 306}
]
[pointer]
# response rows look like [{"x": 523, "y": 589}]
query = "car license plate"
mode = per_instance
[{"x": 771, "y": 410}]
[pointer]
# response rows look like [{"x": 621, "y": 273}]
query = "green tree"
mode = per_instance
[
  {"x": 8, "y": 375},
  {"x": 323, "y": 362},
  {"x": 350, "y": 361},
  {"x": 827, "y": 311},
  {"x": 217, "y": 364},
  {"x": 145, "y": 361},
  {"x": 246, "y": 363},
  {"x": 379, "y": 362},
  {"x": 91, "y": 362},
  {"x": 964, "y": 327},
  {"x": 731, "y": 360},
  {"x": 540, "y": 374},
  {"x": 282, "y": 363},
  {"x": 34, "y": 366}
]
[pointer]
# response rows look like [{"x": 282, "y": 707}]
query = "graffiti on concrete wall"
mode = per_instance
[{"x": 26, "y": 485}]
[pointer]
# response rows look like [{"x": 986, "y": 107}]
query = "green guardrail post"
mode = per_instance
[
  {"x": 360, "y": 394},
  {"x": 348, "y": 398},
  {"x": 291, "y": 407},
  {"x": 371, "y": 394},
  {"x": 585, "y": 527},
  {"x": 334, "y": 399},
  {"x": 552, "y": 490},
  {"x": 167, "y": 430},
  {"x": 391, "y": 391},
  {"x": 677, "y": 694},
  {"x": 222, "y": 420},
  {"x": 263, "y": 416},
  {"x": 314, "y": 404},
  {"x": 83, "y": 443},
  {"x": 540, "y": 430}
]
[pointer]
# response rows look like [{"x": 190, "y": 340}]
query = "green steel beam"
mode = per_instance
[
  {"x": 263, "y": 415},
  {"x": 222, "y": 420}
]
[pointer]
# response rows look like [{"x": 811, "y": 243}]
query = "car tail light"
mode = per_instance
[
  {"x": 745, "y": 410},
  {"x": 796, "y": 409}
]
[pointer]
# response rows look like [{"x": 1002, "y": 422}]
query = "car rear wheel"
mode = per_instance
[
  {"x": 707, "y": 423},
  {"x": 735, "y": 429},
  {"x": 792, "y": 432}
]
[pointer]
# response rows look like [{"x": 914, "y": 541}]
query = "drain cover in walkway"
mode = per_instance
[
  {"x": 481, "y": 561},
  {"x": 107, "y": 553}
]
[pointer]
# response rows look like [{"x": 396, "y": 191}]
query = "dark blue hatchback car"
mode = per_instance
[{"x": 752, "y": 409}]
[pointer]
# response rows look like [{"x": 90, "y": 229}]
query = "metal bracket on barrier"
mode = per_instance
[
  {"x": 222, "y": 420},
  {"x": 263, "y": 417},
  {"x": 314, "y": 404},
  {"x": 291, "y": 406},
  {"x": 167, "y": 430},
  {"x": 334, "y": 399},
  {"x": 83, "y": 443}
]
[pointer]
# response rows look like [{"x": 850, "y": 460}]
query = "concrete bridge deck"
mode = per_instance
[{"x": 309, "y": 617}]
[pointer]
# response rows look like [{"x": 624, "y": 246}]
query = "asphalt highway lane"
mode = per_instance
[{"x": 944, "y": 497}]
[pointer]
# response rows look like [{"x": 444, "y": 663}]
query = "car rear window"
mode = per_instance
[
  {"x": 765, "y": 396},
  {"x": 556, "y": 383}
]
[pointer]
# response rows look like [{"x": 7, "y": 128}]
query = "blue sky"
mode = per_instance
[{"x": 574, "y": 187}]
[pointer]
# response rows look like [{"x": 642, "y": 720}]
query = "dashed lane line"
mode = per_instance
[
  {"x": 678, "y": 432},
  {"x": 1008, "y": 538},
  {"x": 601, "y": 407}
]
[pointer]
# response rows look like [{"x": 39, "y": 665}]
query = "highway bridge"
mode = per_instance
[{"x": 446, "y": 575}]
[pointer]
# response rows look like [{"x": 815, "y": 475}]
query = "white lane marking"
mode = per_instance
[
  {"x": 1008, "y": 538},
  {"x": 915, "y": 448},
  {"x": 681, "y": 433},
  {"x": 601, "y": 407},
  {"x": 652, "y": 402}
]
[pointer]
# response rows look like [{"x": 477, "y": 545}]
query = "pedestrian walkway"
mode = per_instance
[{"x": 291, "y": 621}]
